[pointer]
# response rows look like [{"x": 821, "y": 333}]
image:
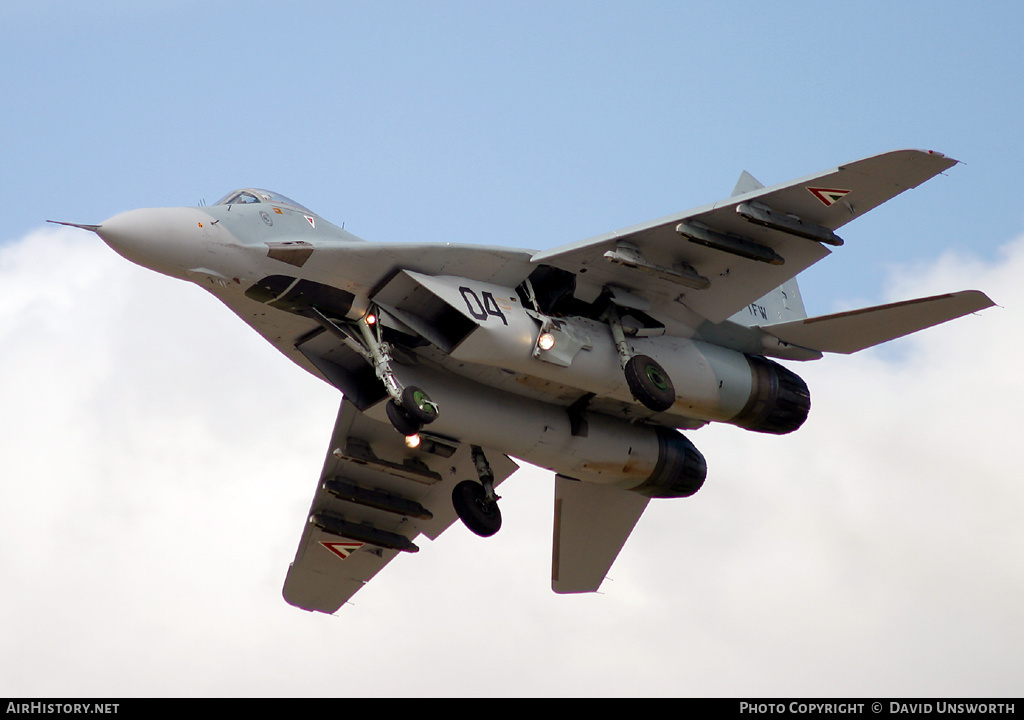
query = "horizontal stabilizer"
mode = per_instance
[
  {"x": 850, "y": 332},
  {"x": 592, "y": 523}
]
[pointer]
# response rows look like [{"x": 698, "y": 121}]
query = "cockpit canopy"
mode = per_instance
[{"x": 248, "y": 196}]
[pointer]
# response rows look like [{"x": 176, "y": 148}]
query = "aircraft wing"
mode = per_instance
[
  {"x": 373, "y": 499},
  {"x": 721, "y": 257}
]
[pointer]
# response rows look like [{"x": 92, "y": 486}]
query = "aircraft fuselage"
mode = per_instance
[
  {"x": 586, "y": 359},
  {"x": 230, "y": 249}
]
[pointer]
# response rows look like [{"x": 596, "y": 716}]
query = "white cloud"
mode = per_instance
[{"x": 160, "y": 457}]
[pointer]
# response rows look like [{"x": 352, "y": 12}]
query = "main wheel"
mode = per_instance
[
  {"x": 649, "y": 383},
  {"x": 401, "y": 421},
  {"x": 418, "y": 406},
  {"x": 479, "y": 514}
]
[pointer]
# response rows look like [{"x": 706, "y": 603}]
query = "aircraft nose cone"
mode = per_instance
[{"x": 162, "y": 239}]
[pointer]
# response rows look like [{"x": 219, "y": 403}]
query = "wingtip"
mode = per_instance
[{"x": 941, "y": 156}]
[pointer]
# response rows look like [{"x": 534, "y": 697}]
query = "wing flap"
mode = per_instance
[
  {"x": 375, "y": 496},
  {"x": 670, "y": 260},
  {"x": 850, "y": 332},
  {"x": 592, "y": 523}
]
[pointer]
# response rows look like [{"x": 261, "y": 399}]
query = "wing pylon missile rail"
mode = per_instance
[
  {"x": 629, "y": 255},
  {"x": 733, "y": 244},
  {"x": 377, "y": 499},
  {"x": 362, "y": 532},
  {"x": 358, "y": 452},
  {"x": 761, "y": 214}
]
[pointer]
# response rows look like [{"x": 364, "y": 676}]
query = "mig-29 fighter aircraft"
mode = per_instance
[{"x": 586, "y": 359}]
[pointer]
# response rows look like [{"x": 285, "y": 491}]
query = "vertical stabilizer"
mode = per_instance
[
  {"x": 783, "y": 304},
  {"x": 792, "y": 302},
  {"x": 746, "y": 183}
]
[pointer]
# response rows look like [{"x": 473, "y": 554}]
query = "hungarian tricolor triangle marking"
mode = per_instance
[
  {"x": 342, "y": 549},
  {"x": 310, "y": 220},
  {"x": 829, "y": 196}
]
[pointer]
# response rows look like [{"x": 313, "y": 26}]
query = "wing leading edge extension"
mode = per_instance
[
  {"x": 721, "y": 257},
  {"x": 375, "y": 496}
]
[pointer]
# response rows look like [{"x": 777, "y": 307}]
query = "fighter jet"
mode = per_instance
[{"x": 587, "y": 359}]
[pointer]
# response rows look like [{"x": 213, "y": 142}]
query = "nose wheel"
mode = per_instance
[
  {"x": 475, "y": 502},
  {"x": 414, "y": 411},
  {"x": 401, "y": 420},
  {"x": 418, "y": 405}
]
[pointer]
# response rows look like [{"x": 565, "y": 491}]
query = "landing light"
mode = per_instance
[
  {"x": 546, "y": 341},
  {"x": 371, "y": 319},
  {"x": 413, "y": 441}
]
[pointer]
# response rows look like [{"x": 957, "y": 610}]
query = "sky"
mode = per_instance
[{"x": 159, "y": 456}]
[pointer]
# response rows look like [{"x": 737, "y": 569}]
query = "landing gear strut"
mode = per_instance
[
  {"x": 475, "y": 502},
  {"x": 410, "y": 408},
  {"x": 647, "y": 380}
]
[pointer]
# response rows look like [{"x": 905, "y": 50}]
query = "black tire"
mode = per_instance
[
  {"x": 649, "y": 383},
  {"x": 479, "y": 514},
  {"x": 401, "y": 421},
  {"x": 418, "y": 406}
]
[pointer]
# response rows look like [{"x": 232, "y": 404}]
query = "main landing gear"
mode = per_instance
[
  {"x": 476, "y": 502},
  {"x": 647, "y": 380}
]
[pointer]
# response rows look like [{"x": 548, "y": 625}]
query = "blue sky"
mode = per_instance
[
  {"x": 514, "y": 123},
  {"x": 526, "y": 124}
]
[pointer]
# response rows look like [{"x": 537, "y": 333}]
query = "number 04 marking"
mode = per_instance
[{"x": 481, "y": 309}]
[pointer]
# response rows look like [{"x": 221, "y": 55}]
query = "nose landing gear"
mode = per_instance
[{"x": 410, "y": 408}]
